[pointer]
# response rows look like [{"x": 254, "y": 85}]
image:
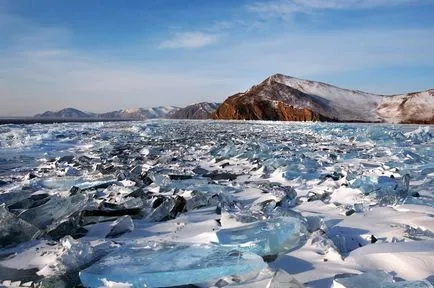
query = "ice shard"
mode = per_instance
[
  {"x": 54, "y": 210},
  {"x": 122, "y": 225},
  {"x": 267, "y": 237},
  {"x": 388, "y": 190},
  {"x": 409, "y": 284},
  {"x": 170, "y": 265},
  {"x": 14, "y": 230},
  {"x": 282, "y": 279},
  {"x": 372, "y": 279},
  {"x": 376, "y": 279}
]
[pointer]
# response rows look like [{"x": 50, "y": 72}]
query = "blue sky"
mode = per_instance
[{"x": 107, "y": 55}]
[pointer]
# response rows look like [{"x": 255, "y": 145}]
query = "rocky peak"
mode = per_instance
[{"x": 281, "y": 97}]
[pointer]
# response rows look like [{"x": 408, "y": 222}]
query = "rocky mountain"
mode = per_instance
[
  {"x": 285, "y": 98},
  {"x": 126, "y": 114},
  {"x": 66, "y": 113},
  {"x": 141, "y": 113},
  {"x": 201, "y": 110}
]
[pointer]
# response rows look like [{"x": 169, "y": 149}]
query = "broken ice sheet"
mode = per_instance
[
  {"x": 388, "y": 190},
  {"x": 122, "y": 225},
  {"x": 371, "y": 279},
  {"x": 409, "y": 284},
  {"x": 282, "y": 279},
  {"x": 170, "y": 265},
  {"x": 267, "y": 237},
  {"x": 14, "y": 230},
  {"x": 61, "y": 182},
  {"x": 376, "y": 279},
  {"x": 55, "y": 209}
]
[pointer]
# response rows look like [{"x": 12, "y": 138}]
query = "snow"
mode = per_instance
[{"x": 408, "y": 260}]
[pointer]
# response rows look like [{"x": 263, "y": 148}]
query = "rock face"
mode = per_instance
[
  {"x": 201, "y": 110},
  {"x": 264, "y": 110},
  {"x": 285, "y": 98}
]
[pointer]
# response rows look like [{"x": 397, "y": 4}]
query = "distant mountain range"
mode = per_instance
[
  {"x": 66, "y": 113},
  {"x": 201, "y": 110},
  {"x": 195, "y": 111},
  {"x": 286, "y": 98},
  {"x": 141, "y": 113},
  {"x": 128, "y": 114}
]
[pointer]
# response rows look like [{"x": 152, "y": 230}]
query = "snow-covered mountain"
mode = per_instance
[
  {"x": 127, "y": 114},
  {"x": 408, "y": 108},
  {"x": 285, "y": 98},
  {"x": 141, "y": 113},
  {"x": 201, "y": 110},
  {"x": 281, "y": 97},
  {"x": 66, "y": 113}
]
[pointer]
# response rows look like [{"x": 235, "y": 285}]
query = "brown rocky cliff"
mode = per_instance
[
  {"x": 269, "y": 101},
  {"x": 286, "y": 98},
  {"x": 232, "y": 109}
]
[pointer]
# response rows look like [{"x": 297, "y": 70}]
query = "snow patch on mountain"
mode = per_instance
[
  {"x": 141, "y": 113},
  {"x": 413, "y": 107},
  {"x": 196, "y": 111}
]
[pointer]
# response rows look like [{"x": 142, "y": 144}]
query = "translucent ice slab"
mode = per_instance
[
  {"x": 387, "y": 190},
  {"x": 169, "y": 265},
  {"x": 409, "y": 284},
  {"x": 55, "y": 209},
  {"x": 14, "y": 230},
  {"x": 372, "y": 279},
  {"x": 377, "y": 279},
  {"x": 266, "y": 237}
]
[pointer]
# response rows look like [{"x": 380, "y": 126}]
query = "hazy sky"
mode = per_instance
[{"x": 106, "y": 55}]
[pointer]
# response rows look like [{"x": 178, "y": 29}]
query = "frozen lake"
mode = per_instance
[{"x": 350, "y": 197}]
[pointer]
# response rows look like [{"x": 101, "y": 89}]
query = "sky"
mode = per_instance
[{"x": 108, "y": 55}]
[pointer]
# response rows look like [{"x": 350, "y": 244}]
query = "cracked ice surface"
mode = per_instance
[{"x": 81, "y": 191}]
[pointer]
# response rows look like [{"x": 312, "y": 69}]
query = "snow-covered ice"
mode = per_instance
[{"x": 319, "y": 202}]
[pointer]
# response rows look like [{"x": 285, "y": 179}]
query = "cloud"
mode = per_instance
[
  {"x": 45, "y": 81},
  {"x": 190, "y": 40},
  {"x": 50, "y": 53},
  {"x": 287, "y": 7},
  {"x": 43, "y": 69},
  {"x": 54, "y": 78},
  {"x": 304, "y": 54}
]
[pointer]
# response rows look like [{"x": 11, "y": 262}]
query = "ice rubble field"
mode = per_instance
[{"x": 237, "y": 204}]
